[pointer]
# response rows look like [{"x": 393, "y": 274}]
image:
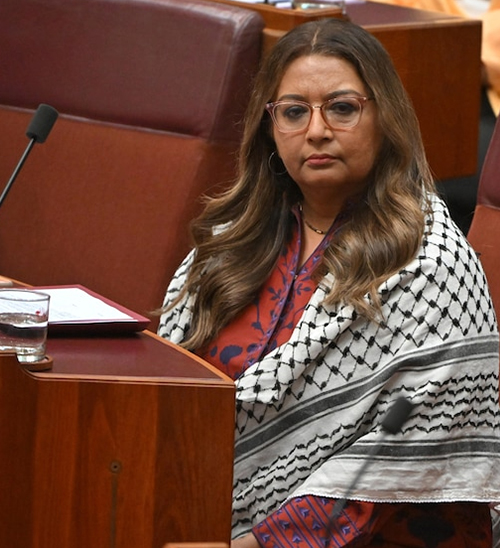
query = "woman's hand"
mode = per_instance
[{"x": 248, "y": 541}]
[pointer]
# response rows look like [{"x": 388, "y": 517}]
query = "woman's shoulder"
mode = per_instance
[
  {"x": 444, "y": 286},
  {"x": 443, "y": 240},
  {"x": 445, "y": 257}
]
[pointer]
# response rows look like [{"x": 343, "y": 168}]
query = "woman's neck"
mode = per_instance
[{"x": 317, "y": 220}]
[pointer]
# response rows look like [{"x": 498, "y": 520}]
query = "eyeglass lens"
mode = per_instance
[{"x": 338, "y": 113}]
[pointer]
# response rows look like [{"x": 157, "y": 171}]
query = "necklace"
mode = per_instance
[{"x": 317, "y": 230}]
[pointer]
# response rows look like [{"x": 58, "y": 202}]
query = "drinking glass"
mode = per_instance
[{"x": 24, "y": 317}]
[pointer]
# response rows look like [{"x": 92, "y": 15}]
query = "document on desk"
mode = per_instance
[{"x": 76, "y": 307}]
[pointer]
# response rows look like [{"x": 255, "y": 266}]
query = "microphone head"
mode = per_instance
[
  {"x": 41, "y": 123},
  {"x": 397, "y": 415}
]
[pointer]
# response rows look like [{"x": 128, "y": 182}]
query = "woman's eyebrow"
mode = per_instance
[
  {"x": 327, "y": 97},
  {"x": 343, "y": 93},
  {"x": 291, "y": 96}
]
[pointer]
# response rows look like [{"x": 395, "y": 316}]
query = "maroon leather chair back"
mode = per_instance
[
  {"x": 484, "y": 233},
  {"x": 181, "y": 66},
  {"x": 151, "y": 94}
]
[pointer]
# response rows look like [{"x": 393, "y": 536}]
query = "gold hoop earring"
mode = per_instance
[{"x": 270, "y": 165}]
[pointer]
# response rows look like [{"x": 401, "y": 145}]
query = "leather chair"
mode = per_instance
[
  {"x": 484, "y": 233},
  {"x": 150, "y": 95},
  {"x": 484, "y": 236}
]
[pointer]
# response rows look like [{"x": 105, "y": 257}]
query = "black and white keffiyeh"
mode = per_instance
[{"x": 309, "y": 412}]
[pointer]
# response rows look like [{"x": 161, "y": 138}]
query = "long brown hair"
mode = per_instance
[{"x": 385, "y": 229}]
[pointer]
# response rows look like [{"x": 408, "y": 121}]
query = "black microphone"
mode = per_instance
[
  {"x": 391, "y": 424},
  {"x": 397, "y": 415},
  {"x": 38, "y": 130}
]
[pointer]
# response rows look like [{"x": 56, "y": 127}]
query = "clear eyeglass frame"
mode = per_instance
[{"x": 360, "y": 99}]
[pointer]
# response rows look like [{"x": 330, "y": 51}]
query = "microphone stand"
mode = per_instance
[
  {"x": 17, "y": 170},
  {"x": 391, "y": 424},
  {"x": 38, "y": 130},
  {"x": 340, "y": 503}
]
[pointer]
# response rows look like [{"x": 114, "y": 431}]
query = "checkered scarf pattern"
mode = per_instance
[{"x": 309, "y": 413}]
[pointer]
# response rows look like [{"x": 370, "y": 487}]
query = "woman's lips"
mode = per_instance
[{"x": 319, "y": 159}]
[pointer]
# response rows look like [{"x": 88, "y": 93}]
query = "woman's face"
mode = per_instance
[{"x": 321, "y": 160}]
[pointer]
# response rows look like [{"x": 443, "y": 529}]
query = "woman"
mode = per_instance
[{"x": 328, "y": 282}]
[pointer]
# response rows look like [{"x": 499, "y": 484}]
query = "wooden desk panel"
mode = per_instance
[
  {"x": 438, "y": 58},
  {"x": 126, "y": 443}
]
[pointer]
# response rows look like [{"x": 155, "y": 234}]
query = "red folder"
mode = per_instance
[{"x": 71, "y": 311}]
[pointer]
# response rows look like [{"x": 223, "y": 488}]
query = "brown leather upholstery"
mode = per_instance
[
  {"x": 150, "y": 94},
  {"x": 484, "y": 233}
]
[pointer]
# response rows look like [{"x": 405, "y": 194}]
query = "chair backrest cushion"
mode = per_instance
[
  {"x": 150, "y": 94},
  {"x": 484, "y": 233},
  {"x": 182, "y": 66}
]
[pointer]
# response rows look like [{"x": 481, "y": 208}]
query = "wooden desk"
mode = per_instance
[
  {"x": 438, "y": 58},
  {"x": 126, "y": 443}
]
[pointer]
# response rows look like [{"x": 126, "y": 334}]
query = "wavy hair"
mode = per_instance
[{"x": 385, "y": 229}]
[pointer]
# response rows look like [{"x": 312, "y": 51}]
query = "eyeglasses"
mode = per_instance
[{"x": 338, "y": 113}]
